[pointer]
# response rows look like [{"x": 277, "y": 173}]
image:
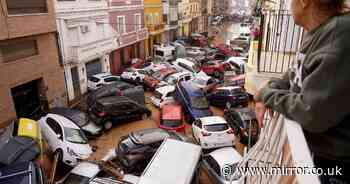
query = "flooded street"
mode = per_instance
[{"x": 110, "y": 139}]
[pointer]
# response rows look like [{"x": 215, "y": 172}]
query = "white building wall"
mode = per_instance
[{"x": 84, "y": 35}]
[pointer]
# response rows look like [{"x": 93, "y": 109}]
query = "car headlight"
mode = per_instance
[{"x": 71, "y": 152}]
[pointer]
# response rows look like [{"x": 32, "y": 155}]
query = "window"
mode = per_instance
[
  {"x": 26, "y": 7},
  {"x": 111, "y": 79},
  {"x": 121, "y": 24},
  {"x": 54, "y": 126},
  {"x": 93, "y": 79},
  {"x": 216, "y": 127},
  {"x": 16, "y": 49},
  {"x": 138, "y": 23},
  {"x": 199, "y": 102},
  {"x": 213, "y": 164}
]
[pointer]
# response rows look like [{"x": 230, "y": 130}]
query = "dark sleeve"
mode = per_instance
[
  {"x": 323, "y": 100},
  {"x": 276, "y": 83}
]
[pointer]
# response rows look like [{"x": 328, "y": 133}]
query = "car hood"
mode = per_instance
[
  {"x": 92, "y": 128},
  {"x": 83, "y": 150},
  {"x": 199, "y": 113}
]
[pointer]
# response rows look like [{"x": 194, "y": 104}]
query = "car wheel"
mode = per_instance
[
  {"x": 59, "y": 154},
  {"x": 107, "y": 125}
]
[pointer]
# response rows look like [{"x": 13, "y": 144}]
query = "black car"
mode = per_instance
[
  {"x": 228, "y": 96},
  {"x": 79, "y": 118},
  {"x": 135, "y": 150},
  {"x": 111, "y": 110},
  {"x": 22, "y": 173},
  {"x": 118, "y": 89},
  {"x": 243, "y": 121}
]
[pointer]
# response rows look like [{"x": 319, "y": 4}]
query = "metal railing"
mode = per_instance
[
  {"x": 281, "y": 145},
  {"x": 280, "y": 40}
]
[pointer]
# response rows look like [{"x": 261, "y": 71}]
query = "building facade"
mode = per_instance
[
  {"x": 86, "y": 41},
  {"x": 185, "y": 18},
  {"x": 196, "y": 15},
  {"x": 127, "y": 19},
  {"x": 170, "y": 18},
  {"x": 154, "y": 22},
  {"x": 31, "y": 75}
]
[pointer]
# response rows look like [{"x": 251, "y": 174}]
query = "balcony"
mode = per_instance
[
  {"x": 86, "y": 52},
  {"x": 281, "y": 144},
  {"x": 274, "y": 53},
  {"x": 132, "y": 37}
]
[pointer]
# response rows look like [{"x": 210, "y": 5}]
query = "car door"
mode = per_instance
[{"x": 55, "y": 133}]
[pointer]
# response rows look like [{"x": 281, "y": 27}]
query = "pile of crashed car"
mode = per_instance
[{"x": 183, "y": 88}]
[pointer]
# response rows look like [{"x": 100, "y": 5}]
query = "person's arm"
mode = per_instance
[
  {"x": 275, "y": 83},
  {"x": 324, "y": 97}
]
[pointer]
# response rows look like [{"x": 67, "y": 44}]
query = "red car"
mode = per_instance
[
  {"x": 226, "y": 50},
  {"x": 171, "y": 117},
  {"x": 199, "y": 40},
  {"x": 215, "y": 68}
]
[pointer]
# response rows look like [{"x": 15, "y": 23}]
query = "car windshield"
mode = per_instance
[
  {"x": 159, "y": 53},
  {"x": 158, "y": 95},
  {"x": 75, "y": 136},
  {"x": 216, "y": 127},
  {"x": 171, "y": 123},
  {"x": 76, "y": 179},
  {"x": 111, "y": 79},
  {"x": 199, "y": 102}
]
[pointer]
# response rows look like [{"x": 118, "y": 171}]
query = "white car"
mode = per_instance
[
  {"x": 135, "y": 75},
  {"x": 194, "y": 51},
  {"x": 163, "y": 95},
  {"x": 176, "y": 77},
  {"x": 238, "y": 63},
  {"x": 221, "y": 164},
  {"x": 65, "y": 139},
  {"x": 98, "y": 80},
  {"x": 212, "y": 132},
  {"x": 188, "y": 65}
]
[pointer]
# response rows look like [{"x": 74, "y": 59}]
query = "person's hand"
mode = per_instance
[{"x": 260, "y": 111}]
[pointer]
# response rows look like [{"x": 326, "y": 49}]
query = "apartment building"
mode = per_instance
[
  {"x": 170, "y": 18},
  {"x": 185, "y": 18},
  {"x": 127, "y": 19},
  {"x": 86, "y": 41},
  {"x": 29, "y": 62}
]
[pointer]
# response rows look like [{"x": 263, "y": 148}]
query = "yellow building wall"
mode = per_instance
[{"x": 153, "y": 10}]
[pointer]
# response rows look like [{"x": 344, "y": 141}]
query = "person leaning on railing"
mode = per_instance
[{"x": 316, "y": 91}]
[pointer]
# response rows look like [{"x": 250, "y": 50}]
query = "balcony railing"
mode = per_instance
[
  {"x": 86, "y": 52},
  {"x": 281, "y": 39},
  {"x": 156, "y": 28},
  {"x": 281, "y": 145}
]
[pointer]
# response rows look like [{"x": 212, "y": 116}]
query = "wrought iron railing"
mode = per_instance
[{"x": 279, "y": 41}]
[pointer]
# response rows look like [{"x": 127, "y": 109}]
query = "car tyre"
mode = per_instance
[
  {"x": 107, "y": 125},
  {"x": 59, "y": 154}
]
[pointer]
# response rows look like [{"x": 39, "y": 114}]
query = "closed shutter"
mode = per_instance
[{"x": 93, "y": 67}]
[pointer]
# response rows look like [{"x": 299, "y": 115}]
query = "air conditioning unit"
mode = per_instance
[{"x": 84, "y": 29}]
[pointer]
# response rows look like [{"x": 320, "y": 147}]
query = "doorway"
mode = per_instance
[
  {"x": 75, "y": 81},
  {"x": 27, "y": 99}
]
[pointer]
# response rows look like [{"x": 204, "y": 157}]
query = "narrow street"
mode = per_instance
[{"x": 109, "y": 140}]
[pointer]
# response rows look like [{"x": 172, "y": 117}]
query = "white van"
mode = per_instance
[
  {"x": 164, "y": 52},
  {"x": 175, "y": 162}
]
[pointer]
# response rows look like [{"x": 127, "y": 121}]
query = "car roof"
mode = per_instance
[
  {"x": 165, "y": 89},
  {"x": 179, "y": 74},
  {"x": 86, "y": 169},
  {"x": 229, "y": 87},
  {"x": 212, "y": 120},
  {"x": 113, "y": 99},
  {"x": 149, "y": 135},
  {"x": 171, "y": 111},
  {"x": 63, "y": 121},
  {"x": 185, "y": 61},
  {"x": 102, "y": 75},
  {"x": 74, "y": 115},
  {"x": 191, "y": 88},
  {"x": 225, "y": 156}
]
